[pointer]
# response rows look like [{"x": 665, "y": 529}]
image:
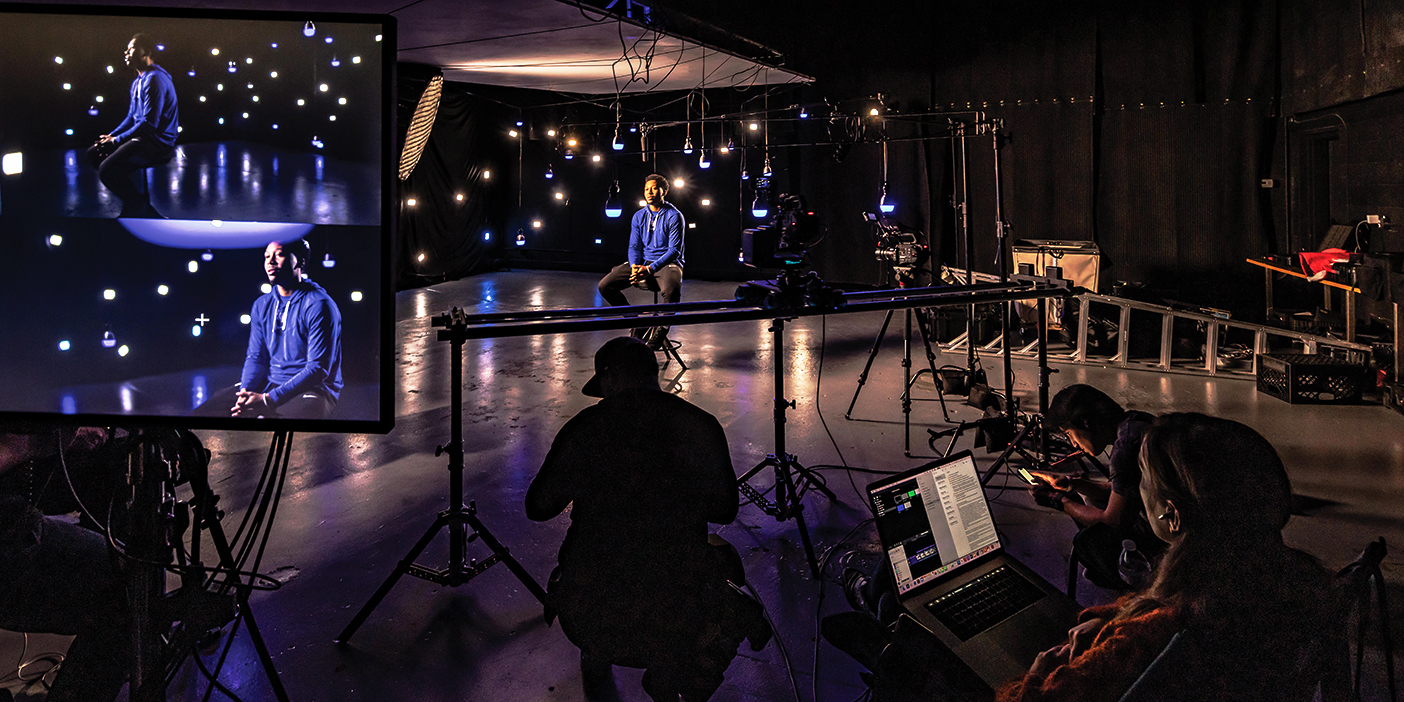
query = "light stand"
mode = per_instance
[
  {"x": 1002, "y": 239},
  {"x": 456, "y": 518},
  {"x": 792, "y": 479},
  {"x": 1035, "y": 423}
]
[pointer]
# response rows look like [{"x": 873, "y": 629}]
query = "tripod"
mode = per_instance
[
  {"x": 201, "y": 604},
  {"x": 457, "y": 517},
  {"x": 1034, "y": 425},
  {"x": 792, "y": 479},
  {"x": 908, "y": 379}
]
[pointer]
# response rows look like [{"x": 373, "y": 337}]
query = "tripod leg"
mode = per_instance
[
  {"x": 506, "y": 556},
  {"x": 1009, "y": 450},
  {"x": 807, "y": 477},
  {"x": 863, "y": 377},
  {"x": 924, "y": 325},
  {"x": 389, "y": 583},
  {"x": 804, "y": 539},
  {"x": 262, "y": 648}
]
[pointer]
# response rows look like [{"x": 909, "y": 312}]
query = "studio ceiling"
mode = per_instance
[{"x": 540, "y": 44}]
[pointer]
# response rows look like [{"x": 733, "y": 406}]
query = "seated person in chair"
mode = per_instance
[
  {"x": 57, "y": 577},
  {"x": 640, "y": 583},
  {"x": 145, "y": 138},
  {"x": 1219, "y": 496},
  {"x": 655, "y": 254},
  {"x": 1106, "y": 512},
  {"x": 1257, "y": 610}
]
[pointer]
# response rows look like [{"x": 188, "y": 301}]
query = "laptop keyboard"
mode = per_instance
[{"x": 984, "y": 602}]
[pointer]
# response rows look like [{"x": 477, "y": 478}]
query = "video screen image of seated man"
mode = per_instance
[
  {"x": 655, "y": 253},
  {"x": 292, "y": 368},
  {"x": 145, "y": 138}
]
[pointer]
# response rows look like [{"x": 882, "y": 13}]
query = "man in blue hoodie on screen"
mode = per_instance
[
  {"x": 145, "y": 138},
  {"x": 293, "y": 366}
]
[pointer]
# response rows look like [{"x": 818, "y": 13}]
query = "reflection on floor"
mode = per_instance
[
  {"x": 240, "y": 181},
  {"x": 354, "y": 505}
]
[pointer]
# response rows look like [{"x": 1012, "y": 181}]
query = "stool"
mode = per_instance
[{"x": 669, "y": 347}]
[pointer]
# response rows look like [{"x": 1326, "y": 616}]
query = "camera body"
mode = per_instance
[
  {"x": 904, "y": 249},
  {"x": 782, "y": 241}
]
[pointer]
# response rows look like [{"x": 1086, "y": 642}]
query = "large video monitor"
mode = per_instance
[{"x": 195, "y": 218}]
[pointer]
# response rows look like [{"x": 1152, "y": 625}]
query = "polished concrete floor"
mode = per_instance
[{"x": 354, "y": 505}]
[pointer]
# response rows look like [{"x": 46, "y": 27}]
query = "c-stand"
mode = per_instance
[
  {"x": 457, "y": 517},
  {"x": 1034, "y": 425}
]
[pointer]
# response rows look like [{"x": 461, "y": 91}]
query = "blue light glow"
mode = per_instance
[
  {"x": 64, "y": 345},
  {"x": 613, "y": 212}
]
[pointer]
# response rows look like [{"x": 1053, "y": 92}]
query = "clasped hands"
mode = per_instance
[
  {"x": 249, "y": 404},
  {"x": 638, "y": 274}
]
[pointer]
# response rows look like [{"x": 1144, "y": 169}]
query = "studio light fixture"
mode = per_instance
[
  {"x": 109, "y": 340},
  {"x": 687, "y": 145},
  {"x": 207, "y": 256},
  {"x": 760, "y": 207},
  {"x": 335, "y": 61},
  {"x": 309, "y": 29},
  {"x": 885, "y": 204},
  {"x": 549, "y": 173},
  {"x": 702, "y": 161},
  {"x": 328, "y": 261},
  {"x": 766, "y": 172},
  {"x": 613, "y": 209}
]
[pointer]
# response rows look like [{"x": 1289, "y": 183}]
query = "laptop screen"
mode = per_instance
[{"x": 933, "y": 521}]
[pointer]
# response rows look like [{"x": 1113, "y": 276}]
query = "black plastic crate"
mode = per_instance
[{"x": 1310, "y": 378}]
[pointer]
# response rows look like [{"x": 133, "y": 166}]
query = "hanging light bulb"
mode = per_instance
[
  {"x": 617, "y": 144},
  {"x": 804, "y": 113},
  {"x": 687, "y": 145},
  {"x": 309, "y": 29},
  {"x": 549, "y": 173},
  {"x": 760, "y": 207},
  {"x": 702, "y": 161},
  {"x": 765, "y": 170},
  {"x": 328, "y": 261},
  {"x": 521, "y": 238},
  {"x": 886, "y": 204},
  {"x": 335, "y": 61},
  {"x": 613, "y": 208},
  {"x": 109, "y": 340},
  {"x": 207, "y": 256},
  {"x": 745, "y": 175}
]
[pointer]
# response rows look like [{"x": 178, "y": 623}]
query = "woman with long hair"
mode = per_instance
[{"x": 1256, "y": 615}]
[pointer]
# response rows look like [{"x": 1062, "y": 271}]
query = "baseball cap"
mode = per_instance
[{"x": 624, "y": 353}]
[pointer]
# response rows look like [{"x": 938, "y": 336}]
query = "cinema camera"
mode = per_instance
[
  {"x": 783, "y": 242},
  {"x": 903, "y": 248}
]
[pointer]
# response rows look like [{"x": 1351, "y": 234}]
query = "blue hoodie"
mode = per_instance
[
  {"x": 294, "y": 344},
  {"x": 152, "y": 111},
  {"x": 656, "y": 238}
]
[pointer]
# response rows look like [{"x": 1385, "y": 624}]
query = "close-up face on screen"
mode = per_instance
[{"x": 193, "y": 213}]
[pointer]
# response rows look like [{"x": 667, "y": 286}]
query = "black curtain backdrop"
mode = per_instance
[{"x": 441, "y": 237}]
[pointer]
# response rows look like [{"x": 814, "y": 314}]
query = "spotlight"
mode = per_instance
[
  {"x": 535, "y": 224},
  {"x": 202, "y": 98},
  {"x": 265, "y": 288},
  {"x": 248, "y": 60},
  {"x": 322, "y": 87},
  {"x": 411, "y": 202},
  {"x": 123, "y": 351},
  {"x": 195, "y": 330},
  {"x": 570, "y": 142},
  {"x": 599, "y": 241},
  {"x": 272, "y": 74},
  {"x": 309, "y": 29},
  {"x": 487, "y": 175},
  {"x": 356, "y": 296},
  {"x": 301, "y": 102},
  {"x": 58, "y": 60},
  {"x": 458, "y": 197},
  {"x": 612, "y": 207},
  {"x": 109, "y": 69},
  {"x": 98, "y": 98},
  {"x": 214, "y": 52},
  {"x": 67, "y": 86},
  {"x": 754, "y": 126},
  {"x": 207, "y": 256},
  {"x": 69, "y": 132},
  {"x": 219, "y": 86},
  {"x": 487, "y": 236},
  {"x": 64, "y": 345},
  {"x": 706, "y": 202},
  {"x": 341, "y": 101},
  {"x": 245, "y": 319},
  {"x": 550, "y": 132},
  {"x": 512, "y": 133},
  {"x": 355, "y": 59},
  {"x": 109, "y": 294},
  {"x": 163, "y": 290},
  {"x": 55, "y": 240},
  {"x": 874, "y": 112},
  {"x": 13, "y": 163},
  {"x": 328, "y": 261},
  {"x": 677, "y": 182},
  {"x": 595, "y": 158},
  {"x": 193, "y": 266},
  {"x": 560, "y": 195}
]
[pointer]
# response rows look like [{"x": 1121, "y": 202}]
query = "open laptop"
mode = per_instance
[{"x": 954, "y": 577}]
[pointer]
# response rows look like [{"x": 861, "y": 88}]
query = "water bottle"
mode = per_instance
[{"x": 1133, "y": 565}]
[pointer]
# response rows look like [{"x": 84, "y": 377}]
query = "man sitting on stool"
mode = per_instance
[
  {"x": 640, "y": 582},
  {"x": 655, "y": 255}
]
